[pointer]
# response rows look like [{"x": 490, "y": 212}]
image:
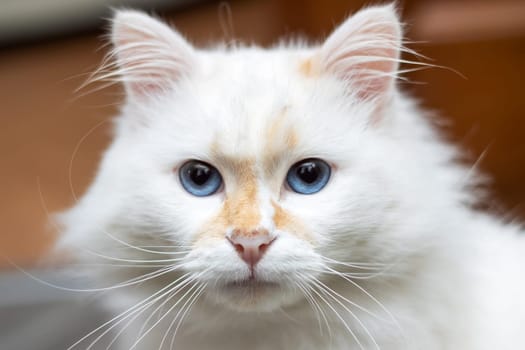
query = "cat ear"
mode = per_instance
[
  {"x": 364, "y": 51},
  {"x": 150, "y": 55}
]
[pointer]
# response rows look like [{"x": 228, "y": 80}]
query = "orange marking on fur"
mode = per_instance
[
  {"x": 239, "y": 210},
  {"x": 276, "y": 124},
  {"x": 279, "y": 130},
  {"x": 280, "y": 137},
  {"x": 292, "y": 139},
  {"x": 214, "y": 146},
  {"x": 309, "y": 68},
  {"x": 287, "y": 222}
]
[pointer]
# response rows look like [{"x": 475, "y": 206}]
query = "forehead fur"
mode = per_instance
[
  {"x": 254, "y": 104},
  {"x": 262, "y": 138},
  {"x": 246, "y": 98}
]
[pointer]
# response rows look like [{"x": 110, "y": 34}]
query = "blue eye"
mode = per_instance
[
  {"x": 308, "y": 176},
  {"x": 199, "y": 178}
]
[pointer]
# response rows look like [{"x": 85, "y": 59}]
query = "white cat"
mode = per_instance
[{"x": 288, "y": 198}]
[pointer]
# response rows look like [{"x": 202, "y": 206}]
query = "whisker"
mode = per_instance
[
  {"x": 157, "y": 309},
  {"x": 357, "y": 265},
  {"x": 74, "y": 153},
  {"x": 129, "y": 245},
  {"x": 130, "y": 310},
  {"x": 142, "y": 336},
  {"x": 356, "y": 275},
  {"x": 141, "y": 278},
  {"x": 193, "y": 300},
  {"x": 325, "y": 287},
  {"x": 145, "y": 266},
  {"x": 474, "y": 168},
  {"x": 170, "y": 252},
  {"x": 170, "y": 294},
  {"x": 390, "y": 315},
  {"x": 122, "y": 329},
  {"x": 155, "y": 273},
  {"x": 138, "y": 311},
  {"x": 329, "y": 292},
  {"x": 131, "y": 260},
  {"x": 340, "y": 318},
  {"x": 315, "y": 308}
]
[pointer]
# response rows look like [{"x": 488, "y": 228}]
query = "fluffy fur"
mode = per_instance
[{"x": 388, "y": 255}]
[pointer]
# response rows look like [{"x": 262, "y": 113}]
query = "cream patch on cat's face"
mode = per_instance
[
  {"x": 241, "y": 209},
  {"x": 251, "y": 205},
  {"x": 280, "y": 136}
]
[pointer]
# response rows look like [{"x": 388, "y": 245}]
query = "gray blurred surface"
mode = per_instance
[
  {"x": 34, "y": 316},
  {"x": 23, "y": 20}
]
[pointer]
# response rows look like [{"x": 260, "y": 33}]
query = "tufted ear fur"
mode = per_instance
[
  {"x": 364, "y": 51},
  {"x": 150, "y": 55}
]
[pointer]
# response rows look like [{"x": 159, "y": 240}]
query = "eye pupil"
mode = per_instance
[
  {"x": 199, "y": 174},
  {"x": 308, "y": 172}
]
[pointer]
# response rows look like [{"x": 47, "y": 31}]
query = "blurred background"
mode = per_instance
[{"x": 52, "y": 136}]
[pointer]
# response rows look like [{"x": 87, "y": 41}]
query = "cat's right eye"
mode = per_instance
[{"x": 199, "y": 178}]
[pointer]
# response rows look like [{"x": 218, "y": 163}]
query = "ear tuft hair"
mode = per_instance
[
  {"x": 364, "y": 51},
  {"x": 149, "y": 55}
]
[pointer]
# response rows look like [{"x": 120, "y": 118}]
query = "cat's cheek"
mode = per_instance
[
  {"x": 311, "y": 217},
  {"x": 187, "y": 214}
]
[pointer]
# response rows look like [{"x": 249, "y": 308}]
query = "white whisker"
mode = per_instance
[
  {"x": 172, "y": 293},
  {"x": 130, "y": 310},
  {"x": 340, "y": 318},
  {"x": 329, "y": 292},
  {"x": 131, "y": 260},
  {"x": 193, "y": 299},
  {"x": 142, "y": 336},
  {"x": 132, "y": 281},
  {"x": 390, "y": 315},
  {"x": 316, "y": 308}
]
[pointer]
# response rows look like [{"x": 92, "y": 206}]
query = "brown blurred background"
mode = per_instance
[{"x": 51, "y": 137}]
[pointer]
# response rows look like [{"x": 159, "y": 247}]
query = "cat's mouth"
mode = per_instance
[
  {"x": 250, "y": 294},
  {"x": 251, "y": 284}
]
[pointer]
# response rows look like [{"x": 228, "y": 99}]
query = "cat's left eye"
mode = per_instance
[
  {"x": 199, "y": 178},
  {"x": 308, "y": 176}
]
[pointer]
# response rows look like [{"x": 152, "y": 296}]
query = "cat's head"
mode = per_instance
[{"x": 261, "y": 169}]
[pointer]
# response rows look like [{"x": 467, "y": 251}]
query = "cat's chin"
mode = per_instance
[{"x": 253, "y": 296}]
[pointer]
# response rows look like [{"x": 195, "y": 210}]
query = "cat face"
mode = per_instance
[{"x": 258, "y": 167}]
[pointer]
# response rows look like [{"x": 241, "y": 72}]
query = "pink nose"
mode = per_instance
[{"x": 251, "y": 245}]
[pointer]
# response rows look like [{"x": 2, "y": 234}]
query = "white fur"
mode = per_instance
[{"x": 429, "y": 272}]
